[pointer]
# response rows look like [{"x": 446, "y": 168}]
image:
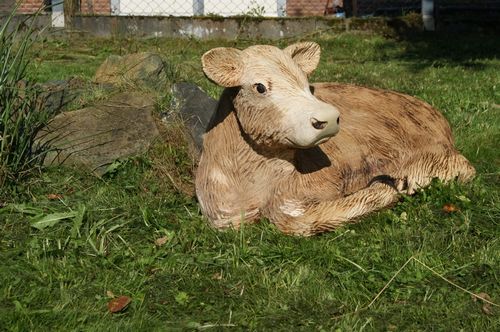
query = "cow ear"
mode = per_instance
[
  {"x": 223, "y": 65},
  {"x": 305, "y": 54}
]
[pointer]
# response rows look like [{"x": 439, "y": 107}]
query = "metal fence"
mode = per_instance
[
  {"x": 271, "y": 8},
  {"x": 225, "y": 8},
  {"x": 198, "y": 7},
  {"x": 382, "y": 7}
]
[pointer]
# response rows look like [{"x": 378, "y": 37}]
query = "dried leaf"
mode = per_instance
[
  {"x": 450, "y": 208},
  {"x": 161, "y": 241},
  {"x": 110, "y": 294},
  {"x": 54, "y": 197},
  {"x": 118, "y": 304},
  {"x": 217, "y": 276},
  {"x": 486, "y": 308}
]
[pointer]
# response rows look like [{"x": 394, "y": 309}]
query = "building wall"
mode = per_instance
[
  {"x": 101, "y": 7},
  {"x": 6, "y": 6},
  {"x": 29, "y": 6},
  {"x": 309, "y": 7},
  {"x": 197, "y": 7}
]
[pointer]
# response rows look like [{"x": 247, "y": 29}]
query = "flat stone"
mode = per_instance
[
  {"x": 134, "y": 69},
  {"x": 56, "y": 96},
  {"x": 196, "y": 108},
  {"x": 94, "y": 137}
]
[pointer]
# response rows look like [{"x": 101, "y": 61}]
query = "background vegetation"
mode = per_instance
[{"x": 70, "y": 242}]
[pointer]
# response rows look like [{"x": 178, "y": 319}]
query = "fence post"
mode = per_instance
[
  {"x": 428, "y": 15},
  {"x": 354, "y": 7},
  {"x": 198, "y": 7},
  {"x": 58, "y": 14},
  {"x": 115, "y": 7},
  {"x": 281, "y": 10}
]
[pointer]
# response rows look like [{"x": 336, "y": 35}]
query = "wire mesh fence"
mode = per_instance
[
  {"x": 383, "y": 7},
  {"x": 223, "y": 8},
  {"x": 198, "y": 7},
  {"x": 265, "y": 8},
  {"x": 226, "y": 8}
]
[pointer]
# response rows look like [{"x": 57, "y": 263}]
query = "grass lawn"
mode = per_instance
[{"x": 131, "y": 233}]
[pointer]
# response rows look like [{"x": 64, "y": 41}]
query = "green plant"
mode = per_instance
[
  {"x": 254, "y": 10},
  {"x": 21, "y": 111}
]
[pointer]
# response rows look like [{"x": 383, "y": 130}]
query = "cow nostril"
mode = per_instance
[
  {"x": 338, "y": 120},
  {"x": 318, "y": 124}
]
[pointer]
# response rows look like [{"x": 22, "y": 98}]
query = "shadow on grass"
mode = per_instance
[
  {"x": 464, "y": 37},
  {"x": 440, "y": 49}
]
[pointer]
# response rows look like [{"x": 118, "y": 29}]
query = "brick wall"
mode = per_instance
[
  {"x": 30, "y": 6},
  {"x": 309, "y": 7},
  {"x": 101, "y": 7}
]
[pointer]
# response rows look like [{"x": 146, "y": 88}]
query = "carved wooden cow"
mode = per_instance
[{"x": 312, "y": 157}]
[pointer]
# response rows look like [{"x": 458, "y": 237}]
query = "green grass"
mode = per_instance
[{"x": 57, "y": 278}]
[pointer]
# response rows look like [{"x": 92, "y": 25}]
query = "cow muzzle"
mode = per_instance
[
  {"x": 326, "y": 122},
  {"x": 314, "y": 123}
]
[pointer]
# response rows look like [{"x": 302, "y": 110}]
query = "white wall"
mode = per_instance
[
  {"x": 155, "y": 7},
  {"x": 231, "y": 8},
  {"x": 196, "y": 7}
]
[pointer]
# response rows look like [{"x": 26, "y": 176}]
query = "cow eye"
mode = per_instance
[{"x": 261, "y": 88}]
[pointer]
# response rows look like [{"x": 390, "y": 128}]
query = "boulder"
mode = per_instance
[
  {"x": 57, "y": 95},
  {"x": 195, "y": 108},
  {"x": 134, "y": 69},
  {"x": 94, "y": 137}
]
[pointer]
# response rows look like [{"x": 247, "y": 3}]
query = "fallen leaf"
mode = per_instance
[
  {"x": 463, "y": 198},
  {"x": 217, "y": 276},
  {"x": 110, "y": 294},
  {"x": 486, "y": 308},
  {"x": 49, "y": 220},
  {"x": 161, "y": 241},
  {"x": 54, "y": 197},
  {"x": 449, "y": 208},
  {"x": 119, "y": 304}
]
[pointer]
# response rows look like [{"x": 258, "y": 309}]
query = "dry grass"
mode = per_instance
[{"x": 174, "y": 157}]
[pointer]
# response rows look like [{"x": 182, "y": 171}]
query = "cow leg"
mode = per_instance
[
  {"x": 299, "y": 218},
  {"x": 421, "y": 170},
  {"x": 294, "y": 217}
]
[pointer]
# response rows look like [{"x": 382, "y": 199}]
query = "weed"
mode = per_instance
[{"x": 21, "y": 115}]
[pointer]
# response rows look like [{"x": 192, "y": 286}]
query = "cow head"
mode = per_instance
[{"x": 274, "y": 104}]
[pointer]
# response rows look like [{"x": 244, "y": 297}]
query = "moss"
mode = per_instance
[{"x": 334, "y": 22}]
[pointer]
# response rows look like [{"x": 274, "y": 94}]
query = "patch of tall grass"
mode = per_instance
[{"x": 22, "y": 113}]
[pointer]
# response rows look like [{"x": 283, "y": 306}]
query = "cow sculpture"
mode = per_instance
[{"x": 312, "y": 157}]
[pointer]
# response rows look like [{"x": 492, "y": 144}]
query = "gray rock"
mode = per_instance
[
  {"x": 134, "y": 69},
  {"x": 96, "y": 136},
  {"x": 196, "y": 108},
  {"x": 57, "y": 95}
]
